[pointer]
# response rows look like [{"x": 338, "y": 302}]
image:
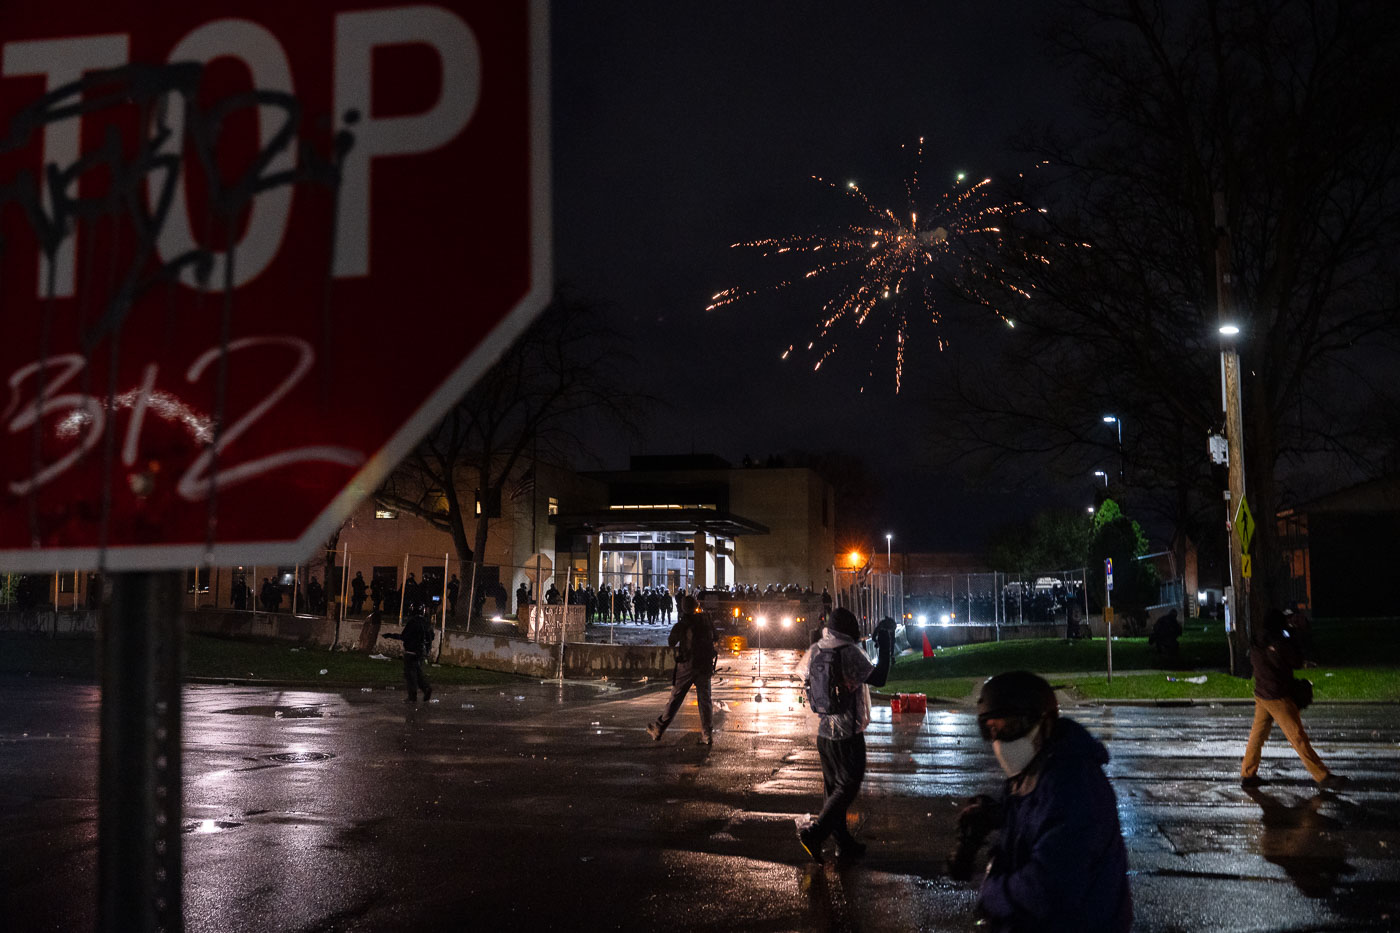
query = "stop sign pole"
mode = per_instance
[
  {"x": 139, "y": 808},
  {"x": 213, "y": 219}
]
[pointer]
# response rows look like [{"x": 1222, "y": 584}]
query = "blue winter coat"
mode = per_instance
[{"x": 1060, "y": 862}]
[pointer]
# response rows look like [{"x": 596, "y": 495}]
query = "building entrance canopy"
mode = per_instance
[
  {"x": 644, "y": 546},
  {"x": 689, "y": 521}
]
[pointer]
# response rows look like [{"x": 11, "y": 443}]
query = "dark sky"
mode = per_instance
[{"x": 679, "y": 129}]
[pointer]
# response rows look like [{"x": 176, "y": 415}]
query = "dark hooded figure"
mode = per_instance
[
  {"x": 417, "y": 638},
  {"x": 695, "y": 643},
  {"x": 1274, "y": 654},
  {"x": 1166, "y": 635},
  {"x": 1059, "y": 864},
  {"x": 357, "y": 594}
]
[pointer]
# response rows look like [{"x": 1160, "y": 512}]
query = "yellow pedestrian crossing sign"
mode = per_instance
[{"x": 1244, "y": 526}]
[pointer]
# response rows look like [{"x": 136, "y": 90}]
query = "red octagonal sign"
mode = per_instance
[{"x": 250, "y": 252}]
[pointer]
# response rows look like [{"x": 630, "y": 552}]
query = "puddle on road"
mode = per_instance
[
  {"x": 204, "y": 827},
  {"x": 277, "y": 712},
  {"x": 298, "y": 757}
]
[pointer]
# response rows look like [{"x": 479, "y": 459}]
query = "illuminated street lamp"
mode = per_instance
[
  {"x": 889, "y": 561},
  {"x": 1104, "y": 475},
  {"x": 1118, "y": 423}
]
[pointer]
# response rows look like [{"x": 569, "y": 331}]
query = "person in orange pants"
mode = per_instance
[{"x": 1274, "y": 655}]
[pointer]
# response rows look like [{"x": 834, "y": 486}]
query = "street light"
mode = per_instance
[
  {"x": 889, "y": 561},
  {"x": 1117, "y": 422},
  {"x": 1104, "y": 475}
]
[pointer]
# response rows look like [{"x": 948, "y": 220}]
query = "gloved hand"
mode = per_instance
[
  {"x": 981, "y": 816},
  {"x": 976, "y": 822}
]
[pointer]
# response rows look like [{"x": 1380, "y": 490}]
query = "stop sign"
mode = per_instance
[{"x": 250, "y": 252}]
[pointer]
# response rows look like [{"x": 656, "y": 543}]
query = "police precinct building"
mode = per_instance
[
  {"x": 687, "y": 520},
  {"x": 697, "y": 521}
]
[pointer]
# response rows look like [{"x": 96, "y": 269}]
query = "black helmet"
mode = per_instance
[{"x": 1020, "y": 696}]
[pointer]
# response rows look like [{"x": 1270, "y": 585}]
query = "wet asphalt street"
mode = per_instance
[{"x": 548, "y": 807}]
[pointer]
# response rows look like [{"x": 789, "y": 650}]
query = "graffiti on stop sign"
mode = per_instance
[{"x": 208, "y": 247}]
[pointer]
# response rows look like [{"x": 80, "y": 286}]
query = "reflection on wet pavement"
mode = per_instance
[{"x": 546, "y": 805}]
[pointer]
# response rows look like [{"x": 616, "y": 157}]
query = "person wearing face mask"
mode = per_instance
[{"x": 1059, "y": 863}]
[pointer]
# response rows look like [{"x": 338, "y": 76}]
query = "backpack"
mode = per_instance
[
  {"x": 826, "y": 687},
  {"x": 685, "y": 641}
]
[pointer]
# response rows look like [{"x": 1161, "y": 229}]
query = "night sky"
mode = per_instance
[{"x": 681, "y": 129}]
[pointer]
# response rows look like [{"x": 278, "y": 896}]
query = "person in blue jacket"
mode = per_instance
[{"x": 1059, "y": 863}]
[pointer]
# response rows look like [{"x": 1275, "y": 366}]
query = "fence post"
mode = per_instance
[{"x": 443, "y": 604}]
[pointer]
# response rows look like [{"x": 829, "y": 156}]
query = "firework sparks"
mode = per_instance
[{"x": 891, "y": 268}]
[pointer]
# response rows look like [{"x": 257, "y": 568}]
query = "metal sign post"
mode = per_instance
[
  {"x": 1108, "y": 612},
  {"x": 139, "y": 854}
]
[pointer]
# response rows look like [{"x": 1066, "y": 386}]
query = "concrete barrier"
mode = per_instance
[
  {"x": 48, "y": 622},
  {"x": 505, "y": 653}
]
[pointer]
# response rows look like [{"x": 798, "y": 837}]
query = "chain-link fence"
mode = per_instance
[{"x": 1048, "y": 598}]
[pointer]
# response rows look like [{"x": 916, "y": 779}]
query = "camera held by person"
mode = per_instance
[{"x": 979, "y": 819}]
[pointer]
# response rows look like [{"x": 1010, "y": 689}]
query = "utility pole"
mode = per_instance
[{"x": 1236, "y": 591}]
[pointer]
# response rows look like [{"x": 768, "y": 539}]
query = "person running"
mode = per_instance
[{"x": 1274, "y": 655}]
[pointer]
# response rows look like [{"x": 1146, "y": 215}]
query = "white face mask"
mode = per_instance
[{"x": 1015, "y": 755}]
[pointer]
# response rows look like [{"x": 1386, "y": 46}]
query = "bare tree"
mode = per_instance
[
  {"x": 1276, "y": 104},
  {"x": 559, "y": 377}
]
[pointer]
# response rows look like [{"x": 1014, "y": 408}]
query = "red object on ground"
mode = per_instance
[
  {"x": 244, "y": 312},
  {"x": 928, "y": 649},
  {"x": 909, "y": 703}
]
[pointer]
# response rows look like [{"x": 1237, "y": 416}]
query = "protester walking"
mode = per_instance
[
  {"x": 839, "y": 677},
  {"x": 417, "y": 638},
  {"x": 696, "y": 646},
  {"x": 1274, "y": 654},
  {"x": 1059, "y": 864}
]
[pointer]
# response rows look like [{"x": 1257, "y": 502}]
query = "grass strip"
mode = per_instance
[
  {"x": 1361, "y": 661},
  {"x": 210, "y": 657}
]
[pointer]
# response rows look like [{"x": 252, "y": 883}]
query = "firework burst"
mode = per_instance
[{"x": 891, "y": 269}]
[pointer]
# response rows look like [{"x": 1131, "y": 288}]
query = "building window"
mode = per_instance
[
  {"x": 197, "y": 581},
  {"x": 553, "y": 506},
  {"x": 386, "y": 513}
]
